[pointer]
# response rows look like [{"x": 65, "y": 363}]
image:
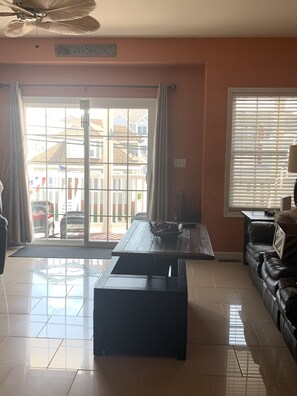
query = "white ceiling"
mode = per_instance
[{"x": 189, "y": 18}]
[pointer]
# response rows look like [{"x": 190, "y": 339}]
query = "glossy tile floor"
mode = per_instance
[{"x": 46, "y": 335}]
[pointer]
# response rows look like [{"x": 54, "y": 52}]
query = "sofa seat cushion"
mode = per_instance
[
  {"x": 287, "y": 298},
  {"x": 276, "y": 268},
  {"x": 255, "y": 255},
  {"x": 257, "y": 249}
]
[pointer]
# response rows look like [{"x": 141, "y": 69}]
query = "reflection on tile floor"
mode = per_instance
[{"x": 46, "y": 337}]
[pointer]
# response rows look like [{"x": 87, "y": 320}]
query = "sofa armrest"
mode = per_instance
[
  {"x": 261, "y": 232},
  {"x": 3, "y": 242}
]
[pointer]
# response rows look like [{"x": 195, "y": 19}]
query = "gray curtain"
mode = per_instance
[
  {"x": 158, "y": 166},
  {"x": 20, "y": 228}
]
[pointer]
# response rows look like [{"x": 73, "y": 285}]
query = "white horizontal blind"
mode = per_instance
[{"x": 262, "y": 128}]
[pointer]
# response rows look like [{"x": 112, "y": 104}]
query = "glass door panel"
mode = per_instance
[
  {"x": 55, "y": 157},
  {"x": 118, "y": 165}
]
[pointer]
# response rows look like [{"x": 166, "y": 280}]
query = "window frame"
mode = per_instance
[{"x": 233, "y": 93}]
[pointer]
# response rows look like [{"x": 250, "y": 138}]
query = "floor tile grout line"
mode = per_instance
[
  {"x": 58, "y": 347},
  {"x": 74, "y": 378}
]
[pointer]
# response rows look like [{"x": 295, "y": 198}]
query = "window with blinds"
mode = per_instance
[{"x": 262, "y": 124}]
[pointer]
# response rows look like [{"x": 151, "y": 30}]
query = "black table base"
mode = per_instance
[{"x": 141, "y": 314}]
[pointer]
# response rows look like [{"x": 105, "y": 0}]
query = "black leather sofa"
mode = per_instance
[
  {"x": 3, "y": 242},
  {"x": 286, "y": 297},
  {"x": 261, "y": 235},
  {"x": 274, "y": 279},
  {"x": 3, "y": 238}
]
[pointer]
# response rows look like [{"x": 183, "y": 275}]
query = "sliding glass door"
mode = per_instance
[{"x": 87, "y": 166}]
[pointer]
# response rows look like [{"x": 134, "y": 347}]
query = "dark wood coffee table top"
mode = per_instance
[{"x": 193, "y": 243}]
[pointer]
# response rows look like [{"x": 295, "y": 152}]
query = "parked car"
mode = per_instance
[
  {"x": 43, "y": 217},
  {"x": 72, "y": 223}
]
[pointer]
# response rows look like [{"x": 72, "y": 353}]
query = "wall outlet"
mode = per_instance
[{"x": 180, "y": 163}]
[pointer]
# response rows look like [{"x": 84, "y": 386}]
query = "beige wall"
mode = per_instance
[{"x": 202, "y": 69}]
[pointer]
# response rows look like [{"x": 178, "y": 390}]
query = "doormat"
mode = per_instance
[{"x": 78, "y": 252}]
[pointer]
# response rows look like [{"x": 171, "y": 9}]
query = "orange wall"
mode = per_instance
[{"x": 202, "y": 69}]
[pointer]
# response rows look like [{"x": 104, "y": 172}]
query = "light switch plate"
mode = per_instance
[{"x": 180, "y": 163}]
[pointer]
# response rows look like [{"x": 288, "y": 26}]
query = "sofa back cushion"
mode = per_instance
[{"x": 261, "y": 232}]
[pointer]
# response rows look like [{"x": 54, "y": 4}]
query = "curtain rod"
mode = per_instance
[{"x": 171, "y": 86}]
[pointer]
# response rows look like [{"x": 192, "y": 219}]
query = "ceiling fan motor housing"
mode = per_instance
[{"x": 38, "y": 15}]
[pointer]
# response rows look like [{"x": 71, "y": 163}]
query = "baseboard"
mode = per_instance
[{"x": 229, "y": 256}]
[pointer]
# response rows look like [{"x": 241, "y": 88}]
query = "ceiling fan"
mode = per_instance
[{"x": 57, "y": 16}]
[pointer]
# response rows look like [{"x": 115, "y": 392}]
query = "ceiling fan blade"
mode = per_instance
[
  {"x": 62, "y": 10},
  {"x": 15, "y": 7},
  {"x": 7, "y": 13},
  {"x": 76, "y": 26},
  {"x": 18, "y": 28}
]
